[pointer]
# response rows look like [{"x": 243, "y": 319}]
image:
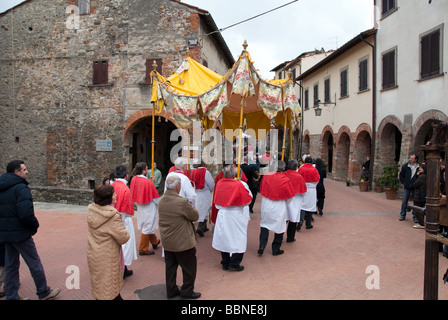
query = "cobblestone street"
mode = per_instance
[{"x": 328, "y": 262}]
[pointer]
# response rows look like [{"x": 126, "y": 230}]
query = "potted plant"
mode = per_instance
[
  {"x": 378, "y": 186},
  {"x": 364, "y": 181},
  {"x": 389, "y": 180}
]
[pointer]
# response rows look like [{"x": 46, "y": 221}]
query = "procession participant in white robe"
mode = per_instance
[
  {"x": 204, "y": 185},
  {"x": 311, "y": 176},
  {"x": 277, "y": 191},
  {"x": 125, "y": 206},
  {"x": 186, "y": 189},
  {"x": 295, "y": 206},
  {"x": 145, "y": 195},
  {"x": 232, "y": 197}
]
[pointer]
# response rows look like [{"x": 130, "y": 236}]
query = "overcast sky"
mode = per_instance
[{"x": 283, "y": 34}]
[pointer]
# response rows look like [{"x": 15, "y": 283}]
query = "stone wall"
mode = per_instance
[{"x": 50, "y": 113}]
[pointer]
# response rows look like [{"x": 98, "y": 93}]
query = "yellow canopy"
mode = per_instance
[{"x": 196, "y": 91}]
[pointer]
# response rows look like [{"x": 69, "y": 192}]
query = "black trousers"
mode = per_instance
[
  {"x": 231, "y": 261},
  {"x": 254, "y": 197},
  {"x": 276, "y": 243},
  {"x": 291, "y": 231},
  {"x": 188, "y": 262}
]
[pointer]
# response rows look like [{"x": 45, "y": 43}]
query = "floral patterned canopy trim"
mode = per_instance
[{"x": 244, "y": 79}]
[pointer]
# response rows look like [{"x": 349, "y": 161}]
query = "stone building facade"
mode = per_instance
[{"x": 74, "y": 92}]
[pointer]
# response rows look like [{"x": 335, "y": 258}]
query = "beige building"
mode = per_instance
[{"x": 337, "y": 107}]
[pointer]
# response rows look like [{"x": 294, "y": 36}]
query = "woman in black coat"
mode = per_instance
[
  {"x": 320, "y": 188},
  {"x": 420, "y": 195}
]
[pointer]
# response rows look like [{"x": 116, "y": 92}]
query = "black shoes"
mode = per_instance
[
  {"x": 277, "y": 253},
  {"x": 239, "y": 268},
  {"x": 194, "y": 295},
  {"x": 260, "y": 252},
  {"x": 127, "y": 272}
]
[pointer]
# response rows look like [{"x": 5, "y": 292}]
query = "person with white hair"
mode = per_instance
[
  {"x": 176, "y": 217},
  {"x": 187, "y": 189}
]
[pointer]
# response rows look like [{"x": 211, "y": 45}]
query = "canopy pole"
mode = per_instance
[
  {"x": 240, "y": 137},
  {"x": 290, "y": 142},
  {"x": 284, "y": 137},
  {"x": 154, "y": 67}
]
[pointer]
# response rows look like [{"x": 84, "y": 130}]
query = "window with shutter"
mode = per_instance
[
  {"x": 387, "y": 7},
  {"x": 389, "y": 70},
  {"x": 307, "y": 105},
  {"x": 327, "y": 90},
  {"x": 344, "y": 83},
  {"x": 100, "y": 72},
  {"x": 430, "y": 54},
  {"x": 149, "y": 63},
  {"x": 363, "y": 82},
  {"x": 316, "y": 94}
]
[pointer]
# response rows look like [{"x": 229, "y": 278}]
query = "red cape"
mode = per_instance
[
  {"x": 198, "y": 177},
  {"x": 143, "y": 190},
  {"x": 186, "y": 173},
  {"x": 309, "y": 173},
  {"x": 298, "y": 183},
  {"x": 220, "y": 176},
  {"x": 276, "y": 187},
  {"x": 231, "y": 193},
  {"x": 124, "y": 198}
]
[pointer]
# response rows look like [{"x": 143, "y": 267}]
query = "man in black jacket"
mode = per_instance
[
  {"x": 17, "y": 226},
  {"x": 408, "y": 175}
]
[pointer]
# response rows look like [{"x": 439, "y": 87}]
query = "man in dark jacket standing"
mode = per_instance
[
  {"x": 17, "y": 226},
  {"x": 408, "y": 175}
]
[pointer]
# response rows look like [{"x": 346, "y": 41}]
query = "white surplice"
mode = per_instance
[
  {"x": 310, "y": 197},
  {"x": 203, "y": 200},
  {"x": 230, "y": 233},
  {"x": 294, "y": 207},
  {"x": 273, "y": 214}
]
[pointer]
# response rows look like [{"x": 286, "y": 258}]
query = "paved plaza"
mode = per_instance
[{"x": 358, "y": 250}]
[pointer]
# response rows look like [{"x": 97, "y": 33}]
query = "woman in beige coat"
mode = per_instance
[{"x": 106, "y": 233}]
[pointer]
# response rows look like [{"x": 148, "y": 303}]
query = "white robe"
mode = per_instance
[
  {"x": 310, "y": 197},
  {"x": 273, "y": 214},
  {"x": 186, "y": 189},
  {"x": 130, "y": 247},
  {"x": 230, "y": 233},
  {"x": 294, "y": 208},
  {"x": 203, "y": 200},
  {"x": 147, "y": 215}
]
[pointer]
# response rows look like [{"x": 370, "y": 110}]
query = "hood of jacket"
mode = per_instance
[
  {"x": 99, "y": 215},
  {"x": 8, "y": 180}
]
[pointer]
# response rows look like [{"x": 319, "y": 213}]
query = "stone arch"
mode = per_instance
[
  {"x": 327, "y": 150},
  {"x": 306, "y": 143},
  {"x": 423, "y": 130},
  {"x": 135, "y": 118},
  {"x": 362, "y": 149},
  {"x": 138, "y": 136},
  {"x": 342, "y": 155},
  {"x": 388, "y": 143}
]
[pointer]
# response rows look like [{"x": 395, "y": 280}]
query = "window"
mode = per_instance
[
  {"x": 279, "y": 74},
  {"x": 387, "y": 7},
  {"x": 430, "y": 54},
  {"x": 363, "y": 79},
  {"x": 307, "y": 105},
  {"x": 149, "y": 63},
  {"x": 389, "y": 67},
  {"x": 344, "y": 83},
  {"x": 316, "y": 94},
  {"x": 100, "y": 72},
  {"x": 327, "y": 90}
]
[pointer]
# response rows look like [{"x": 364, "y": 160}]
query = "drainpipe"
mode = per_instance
[{"x": 372, "y": 147}]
